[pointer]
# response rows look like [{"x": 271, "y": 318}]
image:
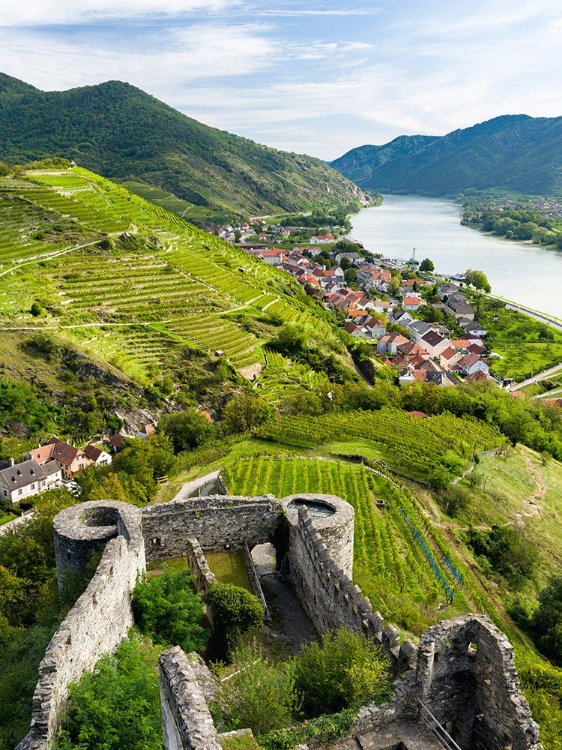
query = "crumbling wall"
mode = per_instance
[
  {"x": 467, "y": 678},
  {"x": 218, "y": 522},
  {"x": 186, "y": 721},
  {"x": 198, "y": 565},
  {"x": 100, "y": 618},
  {"x": 328, "y": 593}
]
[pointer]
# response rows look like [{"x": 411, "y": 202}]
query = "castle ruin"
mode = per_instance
[{"x": 462, "y": 673}]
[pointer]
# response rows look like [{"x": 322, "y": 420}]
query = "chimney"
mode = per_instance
[{"x": 12, "y": 462}]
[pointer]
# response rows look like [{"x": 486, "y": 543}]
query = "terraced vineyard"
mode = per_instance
[
  {"x": 390, "y": 564},
  {"x": 282, "y": 378},
  {"x": 131, "y": 283},
  {"x": 415, "y": 446}
]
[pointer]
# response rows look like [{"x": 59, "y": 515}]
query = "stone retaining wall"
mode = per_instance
[
  {"x": 330, "y": 597},
  {"x": 217, "y": 522},
  {"x": 255, "y": 581},
  {"x": 198, "y": 565}
]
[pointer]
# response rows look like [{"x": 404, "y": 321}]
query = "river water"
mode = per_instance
[{"x": 527, "y": 274}]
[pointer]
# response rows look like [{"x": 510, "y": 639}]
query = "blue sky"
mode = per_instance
[{"x": 318, "y": 78}]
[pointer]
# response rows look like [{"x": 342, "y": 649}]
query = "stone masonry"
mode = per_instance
[{"x": 463, "y": 669}]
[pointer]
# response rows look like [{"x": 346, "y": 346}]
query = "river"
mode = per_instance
[{"x": 527, "y": 274}]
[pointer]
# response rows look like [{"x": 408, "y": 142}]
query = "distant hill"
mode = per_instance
[
  {"x": 123, "y": 133},
  {"x": 514, "y": 152}
]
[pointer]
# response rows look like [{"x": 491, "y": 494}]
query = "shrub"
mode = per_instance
[
  {"x": 342, "y": 671},
  {"x": 259, "y": 695},
  {"x": 235, "y": 612},
  {"x": 166, "y": 608},
  {"x": 118, "y": 705}
]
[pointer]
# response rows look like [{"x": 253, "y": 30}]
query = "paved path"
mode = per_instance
[
  {"x": 189, "y": 488},
  {"x": 536, "y": 378}
]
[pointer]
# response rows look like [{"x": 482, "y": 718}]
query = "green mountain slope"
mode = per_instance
[
  {"x": 123, "y": 133},
  {"x": 137, "y": 288},
  {"x": 514, "y": 152}
]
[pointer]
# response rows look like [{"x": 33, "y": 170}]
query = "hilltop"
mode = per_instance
[
  {"x": 123, "y": 133},
  {"x": 514, "y": 152}
]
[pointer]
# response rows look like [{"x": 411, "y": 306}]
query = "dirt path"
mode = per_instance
[{"x": 532, "y": 507}]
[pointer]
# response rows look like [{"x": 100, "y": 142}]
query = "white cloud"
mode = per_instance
[
  {"x": 40, "y": 12},
  {"x": 161, "y": 64},
  {"x": 296, "y": 13}
]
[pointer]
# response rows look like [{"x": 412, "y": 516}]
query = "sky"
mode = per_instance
[{"x": 305, "y": 76}]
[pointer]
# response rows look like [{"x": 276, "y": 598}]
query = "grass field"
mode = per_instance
[{"x": 229, "y": 567}]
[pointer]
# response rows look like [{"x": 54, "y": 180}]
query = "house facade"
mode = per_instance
[{"x": 23, "y": 480}]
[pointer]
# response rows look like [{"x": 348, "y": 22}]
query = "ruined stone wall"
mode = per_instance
[
  {"x": 186, "y": 721},
  {"x": 100, "y": 618},
  {"x": 328, "y": 593},
  {"x": 217, "y": 522},
  {"x": 467, "y": 678},
  {"x": 198, "y": 565}
]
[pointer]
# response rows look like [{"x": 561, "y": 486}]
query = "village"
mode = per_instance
[
  {"x": 54, "y": 465},
  {"x": 423, "y": 326}
]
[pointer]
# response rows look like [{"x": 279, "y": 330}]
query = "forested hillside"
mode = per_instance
[
  {"x": 516, "y": 152},
  {"x": 123, "y": 133}
]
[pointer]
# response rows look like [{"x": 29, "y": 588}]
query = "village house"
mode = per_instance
[
  {"x": 446, "y": 290},
  {"x": 71, "y": 460},
  {"x": 412, "y": 302},
  {"x": 390, "y": 343},
  {"x": 23, "y": 480},
  {"x": 459, "y": 306},
  {"x": 449, "y": 357},
  {"x": 434, "y": 343},
  {"x": 418, "y": 329},
  {"x": 471, "y": 363},
  {"x": 97, "y": 455},
  {"x": 474, "y": 328},
  {"x": 403, "y": 317}
]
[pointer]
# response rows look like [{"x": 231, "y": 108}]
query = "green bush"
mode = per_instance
[
  {"x": 168, "y": 610},
  {"x": 322, "y": 729},
  {"x": 118, "y": 705},
  {"x": 259, "y": 695},
  {"x": 235, "y": 612},
  {"x": 342, "y": 671}
]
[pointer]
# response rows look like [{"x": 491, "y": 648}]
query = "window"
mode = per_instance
[
  {"x": 19, "y": 492},
  {"x": 32, "y": 486}
]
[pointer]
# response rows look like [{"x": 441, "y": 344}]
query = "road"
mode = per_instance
[
  {"x": 542, "y": 317},
  {"x": 189, "y": 488},
  {"x": 536, "y": 378}
]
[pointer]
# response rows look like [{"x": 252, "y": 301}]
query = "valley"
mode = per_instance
[{"x": 117, "y": 314}]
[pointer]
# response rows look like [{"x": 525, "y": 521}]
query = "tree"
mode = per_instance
[
  {"x": 245, "y": 412},
  {"x": 235, "y": 612},
  {"x": 187, "y": 430},
  {"x": 546, "y": 622},
  {"x": 478, "y": 280},
  {"x": 168, "y": 610},
  {"x": 427, "y": 265},
  {"x": 509, "y": 552},
  {"x": 291, "y": 340},
  {"x": 344, "y": 669},
  {"x": 116, "y": 707}
]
